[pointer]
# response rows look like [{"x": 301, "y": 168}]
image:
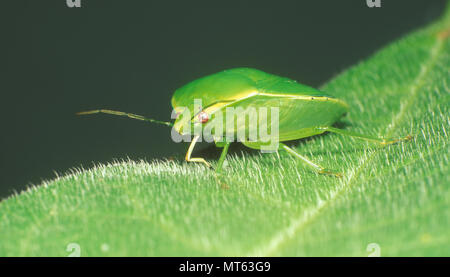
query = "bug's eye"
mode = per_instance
[
  {"x": 177, "y": 115},
  {"x": 203, "y": 117}
]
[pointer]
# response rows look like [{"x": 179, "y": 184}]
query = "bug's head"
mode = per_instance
[
  {"x": 187, "y": 120},
  {"x": 196, "y": 103}
]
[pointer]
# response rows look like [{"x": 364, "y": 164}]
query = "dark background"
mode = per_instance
[{"x": 131, "y": 56}]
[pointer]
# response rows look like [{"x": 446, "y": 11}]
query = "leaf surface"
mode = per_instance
[{"x": 270, "y": 205}]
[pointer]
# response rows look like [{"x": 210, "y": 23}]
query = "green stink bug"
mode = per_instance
[{"x": 303, "y": 111}]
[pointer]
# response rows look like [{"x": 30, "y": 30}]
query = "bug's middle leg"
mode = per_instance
[
  {"x": 189, "y": 153},
  {"x": 222, "y": 157},
  {"x": 318, "y": 168}
]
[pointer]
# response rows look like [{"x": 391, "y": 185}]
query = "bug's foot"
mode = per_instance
[
  {"x": 218, "y": 176},
  {"x": 208, "y": 165},
  {"x": 224, "y": 186},
  {"x": 393, "y": 141},
  {"x": 407, "y": 138},
  {"x": 329, "y": 172}
]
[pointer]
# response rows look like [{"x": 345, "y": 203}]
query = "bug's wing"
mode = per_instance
[
  {"x": 300, "y": 107},
  {"x": 298, "y": 115},
  {"x": 269, "y": 83}
]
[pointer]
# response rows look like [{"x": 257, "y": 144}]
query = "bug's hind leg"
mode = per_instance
[
  {"x": 319, "y": 169},
  {"x": 381, "y": 141},
  {"x": 189, "y": 153}
]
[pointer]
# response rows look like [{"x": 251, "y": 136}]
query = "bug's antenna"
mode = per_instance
[{"x": 130, "y": 115}]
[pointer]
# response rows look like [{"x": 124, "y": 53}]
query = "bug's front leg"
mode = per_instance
[
  {"x": 319, "y": 169},
  {"x": 189, "y": 153}
]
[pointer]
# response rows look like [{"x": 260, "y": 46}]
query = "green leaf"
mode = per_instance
[{"x": 396, "y": 197}]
